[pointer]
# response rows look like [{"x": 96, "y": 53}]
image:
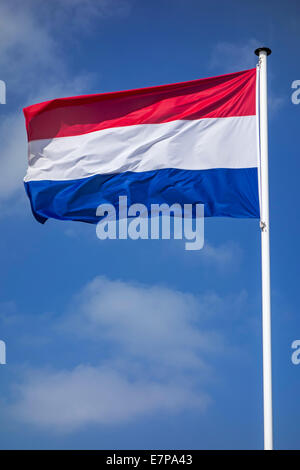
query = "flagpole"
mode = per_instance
[{"x": 262, "y": 53}]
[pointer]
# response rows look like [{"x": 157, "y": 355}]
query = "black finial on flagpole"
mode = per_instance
[{"x": 259, "y": 49}]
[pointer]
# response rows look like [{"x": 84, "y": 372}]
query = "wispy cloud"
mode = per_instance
[
  {"x": 229, "y": 57},
  {"x": 223, "y": 257}
]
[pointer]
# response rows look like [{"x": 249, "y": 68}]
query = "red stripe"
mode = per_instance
[{"x": 222, "y": 96}]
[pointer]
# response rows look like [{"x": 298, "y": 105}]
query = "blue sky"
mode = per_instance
[{"x": 141, "y": 344}]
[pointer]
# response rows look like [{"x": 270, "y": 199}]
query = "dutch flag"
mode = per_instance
[{"x": 190, "y": 142}]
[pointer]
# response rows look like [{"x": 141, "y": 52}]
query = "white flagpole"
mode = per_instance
[{"x": 263, "y": 52}]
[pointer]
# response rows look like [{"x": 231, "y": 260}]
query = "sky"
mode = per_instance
[{"x": 139, "y": 344}]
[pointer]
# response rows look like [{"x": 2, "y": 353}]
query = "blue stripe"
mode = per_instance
[{"x": 224, "y": 192}]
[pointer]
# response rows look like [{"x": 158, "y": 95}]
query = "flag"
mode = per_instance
[{"x": 189, "y": 142}]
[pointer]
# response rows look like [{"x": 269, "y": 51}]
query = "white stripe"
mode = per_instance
[{"x": 191, "y": 145}]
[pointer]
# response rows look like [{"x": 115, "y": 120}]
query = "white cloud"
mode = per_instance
[
  {"x": 67, "y": 400},
  {"x": 159, "y": 358},
  {"x": 34, "y": 36},
  {"x": 29, "y": 52},
  {"x": 152, "y": 322}
]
